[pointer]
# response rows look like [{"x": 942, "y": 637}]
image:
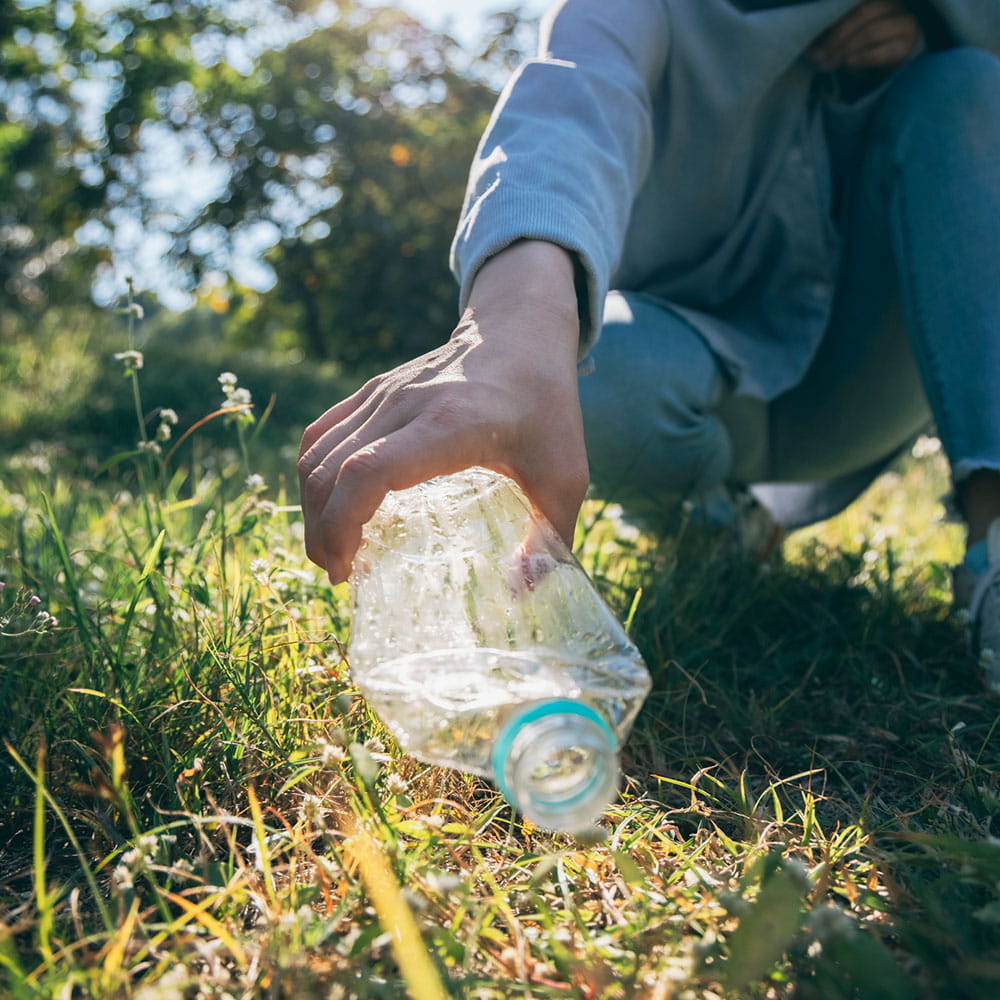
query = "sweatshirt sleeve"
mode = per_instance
[
  {"x": 970, "y": 22},
  {"x": 568, "y": 145}
]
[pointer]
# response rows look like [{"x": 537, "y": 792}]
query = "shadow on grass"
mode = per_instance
[{"x": 831, "y": 692}]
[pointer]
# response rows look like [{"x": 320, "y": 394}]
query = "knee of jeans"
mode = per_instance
[
  {"x": 943, "y": 98},
  {"x": 655, "y": 460}
]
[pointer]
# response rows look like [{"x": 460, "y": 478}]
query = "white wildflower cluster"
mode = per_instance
[
  {"x": 149, "y": 849},
  {"x": 313, "y": 812},
  {"x": 233, "y": 394},
  {"x": 132, "y": 361},
  {"x": 24, "y": 615},
  {"x": 298, "y": 921},
  {"x": 38, "y": 457},
  {"x": 443, "y": 882},
  {"x": 332, "y": 754},
  {"x": 290, "y": 578},
  {"x": 255, "y": 483},
  {"x": 168, "y": 421},
  {"x": 396, "y": 784},
  {"x": 926, "y": 445},
  {"x": 260, "y": 568},
  {"x": 174, "y": 984}
]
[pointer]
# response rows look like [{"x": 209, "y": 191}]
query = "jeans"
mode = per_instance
[{"x": 914, "y": 334}]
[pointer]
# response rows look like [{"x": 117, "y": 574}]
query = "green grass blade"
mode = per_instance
[
  {"x": 71, "y": 580},
  {"x": 140, "y": 586}
]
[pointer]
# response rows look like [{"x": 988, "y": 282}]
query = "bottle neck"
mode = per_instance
[{"x": 557, "y": 764}]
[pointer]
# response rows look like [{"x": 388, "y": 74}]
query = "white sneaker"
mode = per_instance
[
  {"x": 736, "y": 511},
  {"x": 981, "y": 595}
]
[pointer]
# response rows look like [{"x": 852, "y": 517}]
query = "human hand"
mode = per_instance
[
  {"x": 501, "y": 393},
  {"x": 876, "y": 34}
]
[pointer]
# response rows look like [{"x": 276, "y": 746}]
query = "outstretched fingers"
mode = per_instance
[
  {"x": 343, "y": 502},
  {"x": 335, "y": 415}
]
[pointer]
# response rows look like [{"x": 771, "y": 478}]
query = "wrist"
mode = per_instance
[
  {"x": 529, "y": 274},
  {"x": 525, "y": 298}
]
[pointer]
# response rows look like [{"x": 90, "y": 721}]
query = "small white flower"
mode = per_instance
[
  {"x": 148, "y": 843},
  {"x": 926, "y": 445},
  {"x": 396, "y": 784},
  {"x": 150, "y": 448},
  {"x": 121, "y": 879},
  {"x": 375, "y": 745},
  {"x": 240, "y": 397},
  {"x": 445, "y": 882},
  {"x": 331, "y": 755},
  {"x": 163, "y": 432},
  {"x": 255, "y": 483},
  {"x": 132, "y": 860},
  {"x": 227, "y": 380},
  {"x": 168, "y": 416},
  {"x": 329, "y": 867},
  {"x": 133, "y": 360},
  {"x": 259, "y": 568},
  {"x": 312, "y": 810}
]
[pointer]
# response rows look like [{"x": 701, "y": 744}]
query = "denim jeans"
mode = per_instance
[{"x": 914, "y": 335}]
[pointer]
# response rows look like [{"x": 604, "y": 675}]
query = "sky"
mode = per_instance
[{"x": 466, "y": 16}]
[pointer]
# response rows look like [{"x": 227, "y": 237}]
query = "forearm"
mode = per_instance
[
  {"x": 529, "y": 290},
  {"x": 569, "y": 145}
]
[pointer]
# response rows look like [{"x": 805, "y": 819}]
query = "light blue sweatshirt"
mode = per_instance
[{"x": 685, "y": 148}]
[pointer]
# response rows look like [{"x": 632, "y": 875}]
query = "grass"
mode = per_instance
[{"x": 195, "y": 803}]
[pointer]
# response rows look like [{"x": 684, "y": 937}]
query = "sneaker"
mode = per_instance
[
  {"x": 752, "y": 530},
  {"x": 980, "y": 594},
  {"x": 731, "y": 516}
]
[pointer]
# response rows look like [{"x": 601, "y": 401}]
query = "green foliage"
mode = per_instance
[
  {"x": 43, "y": 197},
  {"x": 62, "y": 162},
  {"x": 337, "y": 135},
  {"x": 353, "y": 144}
]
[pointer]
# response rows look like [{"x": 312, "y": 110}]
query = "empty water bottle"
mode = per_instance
[{"x": 482, "y": 644}]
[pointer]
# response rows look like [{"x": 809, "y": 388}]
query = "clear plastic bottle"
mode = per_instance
[{"x": 482, "y": 644}]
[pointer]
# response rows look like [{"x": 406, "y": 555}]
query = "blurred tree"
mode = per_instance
[
  {"x": 331, "y": 137},
  {"x": 62, "y": 163},
  {"x": 349, "y": 147},
  {"x": 43, "y": 197}
]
